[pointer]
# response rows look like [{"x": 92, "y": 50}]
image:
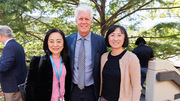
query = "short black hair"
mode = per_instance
[
  {"x": 112, "y": 29},
  {"x": 140, "y": 40},
  {"x": 64, "y": 52}
]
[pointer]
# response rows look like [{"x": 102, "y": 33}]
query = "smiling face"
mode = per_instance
[
  {"x": 84, "y": 22},
  {"x": 55, "y": 44},
  {"x": 116, "y": 39}
]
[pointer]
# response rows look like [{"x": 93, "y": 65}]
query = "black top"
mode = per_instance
[
  {"x": 112, "y": 77},
  {"x": 144, "y": 53}
]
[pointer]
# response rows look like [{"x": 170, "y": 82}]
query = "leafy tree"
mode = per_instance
[{"x": 30, "y": 29}]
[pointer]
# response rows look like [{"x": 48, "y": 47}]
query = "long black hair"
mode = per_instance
[{"x": 64, "y": 52}]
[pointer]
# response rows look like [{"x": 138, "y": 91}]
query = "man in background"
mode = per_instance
[
  {"x": 13, "y": 69},
  {"x": 144, "y": 53}
]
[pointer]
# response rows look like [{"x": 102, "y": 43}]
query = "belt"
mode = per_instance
[{"x": 85, "y": 86}]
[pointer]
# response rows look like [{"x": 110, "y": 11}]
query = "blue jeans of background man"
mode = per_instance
[{"x": 143, "y": 75}]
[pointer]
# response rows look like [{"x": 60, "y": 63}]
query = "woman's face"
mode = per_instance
[
  {"x": 116, "y": 38},
  {"x": 55, "y": 43}
]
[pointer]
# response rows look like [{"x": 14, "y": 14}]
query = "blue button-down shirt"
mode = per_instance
[{"x": 88, "y": 60}]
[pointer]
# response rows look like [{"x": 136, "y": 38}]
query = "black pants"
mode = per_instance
[{"x": 87, "y": 94}]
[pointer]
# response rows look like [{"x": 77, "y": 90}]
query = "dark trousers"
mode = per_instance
[{"x": 87, "y": 94}]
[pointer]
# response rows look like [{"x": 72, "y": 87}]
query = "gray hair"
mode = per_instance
[
  {"x": 6, "y": 31},
  {"x": 83, "y": 7}
]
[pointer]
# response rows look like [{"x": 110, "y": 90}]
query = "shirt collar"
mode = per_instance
[
  {"x": 88, "y": 37},
  {"x": 7, "y": 41}
]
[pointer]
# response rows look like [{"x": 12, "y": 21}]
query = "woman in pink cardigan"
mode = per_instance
[{"x": 120, "y": 69}]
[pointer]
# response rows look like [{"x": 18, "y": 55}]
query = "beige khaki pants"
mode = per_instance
[{"x": 15, "y": 96}]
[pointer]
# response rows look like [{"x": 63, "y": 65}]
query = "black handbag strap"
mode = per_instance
[{"x": 41, "y": 61}]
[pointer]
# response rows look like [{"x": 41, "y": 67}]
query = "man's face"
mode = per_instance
[{"x": 84, "y": 22}]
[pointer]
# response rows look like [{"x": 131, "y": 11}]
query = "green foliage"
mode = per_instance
[
  {"x": 164, "y": 38},
  {"x": 30, "y": 29}
]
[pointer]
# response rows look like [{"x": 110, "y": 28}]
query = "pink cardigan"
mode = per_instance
[{"x": 130, "y": 88}]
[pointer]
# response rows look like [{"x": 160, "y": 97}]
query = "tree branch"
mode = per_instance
[
  {"x": 40, "y": 21},
  {"x": 96, "y": 20},
  {"x": 21, "y": 17},
  {"x": 110, "y": 20},
  {"x": 156, "y": 37},
  {"x": 97, "y": 6},
  {"x": 95, "y": 2},
  {"x": 103, "y": 3},
  {"x": 103, "y": 20},
  {"x": 76, "y": 2},
  {"x": 116, "y": 13},
  {"x": 160, "y": 8},
  {"x": 132, "y": 12},
  {"x": 33, "y": 35}
]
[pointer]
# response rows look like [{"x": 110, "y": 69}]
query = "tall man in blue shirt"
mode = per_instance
[
  {"x": 89, "y": 46},
  {"x": 12, "y": 65}
]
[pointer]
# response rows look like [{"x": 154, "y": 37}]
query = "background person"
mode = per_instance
[
  {"x": 144, "y": 54},
  {"x": 85, "y": 50},
  {"x": 120, "y": 69},
  {"x": 52, "y": 80},
  {"x": 13, "y": 69}
]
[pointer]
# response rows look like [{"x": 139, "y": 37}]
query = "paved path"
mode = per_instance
[
  {"x": 142, "y": 98},
  {"x": 143, "y": 95}
]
